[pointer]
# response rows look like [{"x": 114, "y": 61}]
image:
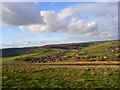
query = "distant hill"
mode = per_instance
[
  {"x": 8, "y": 52},
  {"x": 85, "y": 46}
]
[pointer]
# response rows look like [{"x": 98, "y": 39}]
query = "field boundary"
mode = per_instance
[{"x": 80, "y": 63}]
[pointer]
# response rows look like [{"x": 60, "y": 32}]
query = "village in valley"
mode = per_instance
[
  {"x": 55, "y": 66},
  {"x": 73, "y": 54}
]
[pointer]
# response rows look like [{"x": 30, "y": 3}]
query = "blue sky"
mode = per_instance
[
  {"x": 37, "y": 24},
  {"x": 57, "y": 6}
]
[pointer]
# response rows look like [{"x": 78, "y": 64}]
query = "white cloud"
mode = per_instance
[
  {"x": 18, "y": 14},
  {"x": 24, "y": 36},
  {"x": 7, "y": 10},
  {"x": 11, "y": 43},
  {"x": 106, "y": 35},
  {"x": 21, "y": 28},
  {"x": 74, "y": 19},
  {"x": 91, "y": 19},
  {"x": 88, "y": 34},
  {"x": 37, "y": 27},
  {"x": 65, "y": 13},
  {"x": 54, "y": 23},
  {"x": 82, "y": 27}
]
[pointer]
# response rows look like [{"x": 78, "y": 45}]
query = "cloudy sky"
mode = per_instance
[{"x": 37, "y": 24}]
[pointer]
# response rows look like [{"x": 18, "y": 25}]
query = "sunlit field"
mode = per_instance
[
  {"x": 88, "y": 67},
  {"x": 25, "y": 75}
]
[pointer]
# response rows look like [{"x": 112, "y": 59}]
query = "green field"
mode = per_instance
[
  {"x": 67, "y": 68},
  {"x": 25, "y": 75},
  {"x": 53, "y": 51}
]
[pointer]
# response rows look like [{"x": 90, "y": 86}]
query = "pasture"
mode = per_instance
[{"x": 84, "y": 67}]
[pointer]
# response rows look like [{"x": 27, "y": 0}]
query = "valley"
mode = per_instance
[{"x": 76, "y": 65}]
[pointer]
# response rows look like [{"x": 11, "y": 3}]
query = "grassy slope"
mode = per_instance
[
  {"x": 101, "y": 47},
  {"x": 69, "y": 53},
  {"x": 11, "y": 59},
  {"x": 98, "y": 50},
  {"x": 39, "y": 50},
  {"x": 53, "y": 51},
  {"x": 91, "y": 50},
  {"x": 26, "y": 75},
  {"x": 36, "y": 53}
]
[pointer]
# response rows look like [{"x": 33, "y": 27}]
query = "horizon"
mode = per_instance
[
  {"x": 43, "y": 23},
  {"x": 58, "y": 44}
]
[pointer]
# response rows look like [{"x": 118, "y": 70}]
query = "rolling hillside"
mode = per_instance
[
  {"x": 95, "y": 65},
  {"x": 90, "y": 51}
]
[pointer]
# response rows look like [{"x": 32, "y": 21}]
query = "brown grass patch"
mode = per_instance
[
  {"x": 5, "y": 77},
  {"x": 81, "y": 80}
]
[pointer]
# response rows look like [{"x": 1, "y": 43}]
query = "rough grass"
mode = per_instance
[
  {"x": 63, "y": 74},
  {"x": 71, "y": 53},
  {"x": 39, "y": 50},
  {"x": 8, "y": 60},
  {"x": 82, "y": 62},
  {"x": 26, "y": 75},
  {"x": 53, "y": 51},
  {"x": 101, "y": 47}
]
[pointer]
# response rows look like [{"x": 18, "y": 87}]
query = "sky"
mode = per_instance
[{"x": 41, "y": 23}]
